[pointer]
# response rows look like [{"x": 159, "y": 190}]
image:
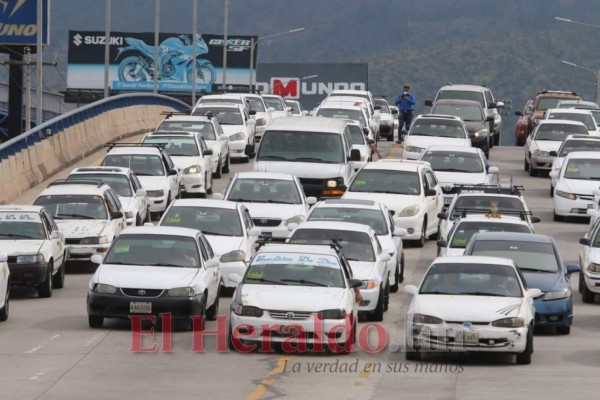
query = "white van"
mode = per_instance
[{"x": 318, "y": 150}]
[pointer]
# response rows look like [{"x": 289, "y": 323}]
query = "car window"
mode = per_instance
[
  {"x": 74, "y": 206},
  {"x": 300, "y": 146},
  {"x": 142, "y": 164},
  {"x": 204, "y": 128},
  {"x": 357, "y": 134},
  {"x": 16, "y": 225},
  {"x": 373, "y": 218},
  {"x": 109, "y": 204},
  {"x": 466, "y": 112},
  {"x": 176, "y": 146},
  {"x": 462, "y": 232},
  {"x": 528, "y": 256},
  {"x": 150, "y": 250},
  {"x": 208, "y": 247},
  {"x": 256, "y": 104},
  {"x": 355, "y": 114},
  {"x": 437, "y": 128},
  {"x": 275, "y": 103},
  {"x": 53, "y": 226},
  {"x": 483, "y": 203},
  {"x": 118, "y": 182},
  {"x": 587, "y": 119},
  {"x": 386, "y": 181},
  {"x": 569, "y": 146},
  {"x": 462, "y": 95},
  {"x": 582, "y": 168},
  {"x": 225, "y": 115},
  {"x": 450, "y": 161},
  {"x": 356, "y": 246},
  {"x": 209, "y": 220},
  {"x": 277, "y": 191}
]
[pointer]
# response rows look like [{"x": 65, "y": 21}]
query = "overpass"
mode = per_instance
[{"x": 39, "y": 153}]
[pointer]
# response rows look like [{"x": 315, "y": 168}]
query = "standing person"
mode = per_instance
[{"x": 406, "y": 106}]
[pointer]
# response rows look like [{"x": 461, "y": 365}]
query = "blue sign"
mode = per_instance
[{"x": 18, "y": 22}]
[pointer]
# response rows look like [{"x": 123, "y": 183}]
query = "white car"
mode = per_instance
[
  {"x": 575, "y": 184},
  {"x": 360, "y": 141},
  {"x": 589, "y": 259},
  {"x": 385, "y": 118},
  {"x": 274, "y": 200},
  {"x": 191, "y": 156},
  {"x": 211, "y": 131},
  {"x": 395, "y": 112},
  {"x": 4, "y": 288},
  {"x": 408, "y": 188},
  {"x": 570, "y": 144},
  {"x": 362, "y": 249},
  {"x": 126, "y": 185},
  {"x": 459, "y": 165},
  {"x": 35, "y": 248},
  {"x": 226, "y": 225},
  {"x": 547, "y": 137},
  {"x": 291, "y": 291},
  {"x": 574, "y": 114},
  {"x": 297, "y": 108},
  {"x": 355, "y": 108},
  {"x": 151, "y": 270},
  {"x": 377, "y": 216},
  {"x": 464, "y": 228},
  {"x": 471, "y": 303},
  {"x": 433, "y": 129},
  {"x": 88, "y": 213},
  {"x": 277, "y": 103},
  {"x": 237, "y": 125},
  {"x": 153, "y": 167}
]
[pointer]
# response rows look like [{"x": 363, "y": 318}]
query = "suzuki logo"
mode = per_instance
[
  {"x": 287, "y": 87},
  {"x": 77, "y": 39},
  {"x": 141, "y": 292},
  {"x": 18, "y": 5},
  {"x": 289, "y": 315}
]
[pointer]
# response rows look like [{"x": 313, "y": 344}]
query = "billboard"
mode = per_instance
[
  {"x": 18, "y": 24},
  {"x": 131, "y": 61},
  {"x": 298, "y": 81}
]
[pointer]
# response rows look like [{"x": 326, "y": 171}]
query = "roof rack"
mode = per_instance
[
  {"x": 160, "y": 146},
  {"x": 171, "y": 113},
  {"x": 99, "y": 168},
  {"x": 334, "y": 244},
  {"x": 59, "y": 182},
  {"x": 464, "y": 211},
  {"x": 491, "y": 189}
]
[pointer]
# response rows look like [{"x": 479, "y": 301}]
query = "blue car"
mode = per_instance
[{"x": 539, "y": 260}]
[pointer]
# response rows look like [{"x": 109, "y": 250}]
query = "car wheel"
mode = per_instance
[
  {"x": 386, "y": 303},
  {"x": 491, "y": 141},
  {"x": 209, "y": 190},
  {"x": 524, "y": 358},
  {"x": 390, "y": 137},
  {"x": 58, "y": 280},
  {"x": 212, "y": 311},
  {"x": 436, "y": 235},
  {"x": 377, "y": 314},
  {"x": 587, "y": 296},
  {"x": 421, "y": 241},
  {"x": 4, "y": 311},
  {"x": 226, "y": 165},
  {"x": 217, "y": 173},
  {"x": 138, "y": 220},
  {"x": 230, "y": 344},
  {"x": 396, "y": 285},
  {"x": 526, "y": 166},
  {"x": 202, "y": 313},
  {"x": 45, "y": 288},
  {"x": 551, "y": 191},
  {"x": 563, "y": 330},
  {"x": 95, "y": 321},
  {"x": 533, "y": 171},
  {"x": 245, "y": 160},
  {"x": 412, "y": 354},
  {"x": 557, "y": 217}
]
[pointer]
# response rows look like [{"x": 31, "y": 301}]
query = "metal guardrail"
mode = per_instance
[{"x": 64, "y": 121}]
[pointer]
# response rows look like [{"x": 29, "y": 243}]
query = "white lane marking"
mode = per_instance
[
  {"x": 92, "y": 340},
  {"x": 37, "y": 375},
  {"x": 36, "y": 348}
]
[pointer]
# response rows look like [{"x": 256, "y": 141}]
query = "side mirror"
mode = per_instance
[
  {"x": 218, "y": 196},
  {"x": 354, "y": 155},
  {"x": 442, "y": 243},
  {"x": 304, "y": 113},
  {"x": 235, "y": 278},
  {"x": 553, "y": 174},
  {"x": 493, "y": 170},
  {"x": 571, "y": 268},
  {"x": 233, "y": 256},
  {"x": 289, "y": 109},
  {"x": 116, "y": 215},
  {"x": 97, "y": 259},
  {"x": 411, "y": 289},
  {"x": 172, "y": 172},
  {"x": 553, "y": 153},
  {"x": 366, "y": 131},
  {"x": 592, "y": 213},
  {"x": 384, "y": 257},
  {"x": 429, "y": 103},
  {"x": 492, "y": 105},
  {"x": 535, "y": 220},
  {"x": 400, "y": 232},
  {"x": 311, "y": 200},
  {"x": 534, "y": 293},
  {"x": 207, "y": 152},
  {"x": 442, "y": 215},
  {"x": 584, "y": 241},
  {"x": 141, "y": 193},
  {"x": 254, "y": 232},
  {"x": 148, "y": 224},
  {"x": 55, "y": 235},
  {"x": 392, "y": 212},
  {"x": 519, "y": 113},
  {"x": 500, "y": 104},
  {"x": 212, "y": 263},
  {"x": 252, "y": 112},
  {"x": 377, "y": 108},
  {"x": 249, "y": 150},
  {"x": 430, "y": 192},
  {"x": 223, "y": 137},
  {"x": 471, "y": 135}
]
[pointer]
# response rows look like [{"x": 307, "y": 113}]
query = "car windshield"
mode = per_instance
[
  {"x": 385, "y": 109},
  {"x": 176, "y": 146},
  {"x": 210, "y": 220},
  {"x": 356, "y": 246},
  {"x": 154, "y": 251},
  {"x": 226, "y": 100},
  {"x": 569, "y": 146},
  {"x": 462, "y": 233},
  {"x": 204, "y": 128},
  {"x": 225, "y": 116},
  {"x": 295, "y": 269},
  {"x": 466, "y": 112},
  {"x": 256, "y": 104},
  {"x": 74, "y": 206},
  {"x": 358, "y": 136},
  {"x": 482, "y": 205},
  {"x": 437, "y": 128},
  {"x": 341, "y": 113},
  {"x": 386, "y": 181},
  {"x": 294, "y": 106},
  {"x": 596, "y": 115},
  {"x": 462, "y": 95},
  {"x": 300, "y": 146},
  {"x": 275, "y": 103},
  {"x": 471, "y": 279},
  {"x": 141, "y": 164},
  {"x": 258, "y": 190},
  {"x": 450, "y": 161},
  {"x": 546, "y": 103},
  {"x": 373, "y": 218},
  {"x": 558, "y": 132},
  {"x": 528, "y": 256},
  {"x": 583, "y": 168},
  {"x": 586, "y": 118},
  {"x": 15, "y": 225},
  {"x": 118, "y": 182}
]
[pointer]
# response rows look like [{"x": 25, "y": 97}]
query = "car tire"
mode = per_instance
[
  {"x": 45, "y": 288},
  {"x": 202, "y": 312},
  {"x": 551, "y": 191},
  {"x": 58, "y": 280},
  {"x": 386, "y": 303},
  {"x": 397, "y": 278},
  {"x": 245, "y": 160},
  {"x": 230, "y": 344},
  {"x": 491, "y": 142},
  {"x": 226, "y": 165},
  {"x": 95, "y": 321},
  {"x": 390, "y": 137},
  {"x": 436, "y": 235},
  {"x": 412, "y": 354},
  {"x": 587, "y": 296},
  {"x": 138, "y": 220},
  {"x": 421, "y": 241},
  {"x": 219, "y": 170},
  {"x": 4, "y": 311},
  {"x": 524, "y": 358},
  {"x": 563, "y": 330},
  {"x": 533, "y": 171},
  {"x": 377, "y": 314},
  {"x": 213, "y": 310},
  {"x": 526, "y": 166}
]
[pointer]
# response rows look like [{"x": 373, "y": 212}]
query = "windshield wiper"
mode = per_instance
[
  {"x": 278, "y": 202},
  {"x": 483, "y": 294},
  {"x": 385, "y": 191},
  {"x": 144, "y": 174},
  {"x": 304, "y": 282},
  {"x": 78, "y": 216},
  {"x": 436, "y": 292},
  {"x": 420, "y": 134},
  {"x": 273, "y": 158},
  {"x": 315, "y": 159},
  {"x": 263, "y": 280},
  {"x": 536, "y": 270},
  {"x": 167, "y": 265},
  {"x": 16, "y": 235}
]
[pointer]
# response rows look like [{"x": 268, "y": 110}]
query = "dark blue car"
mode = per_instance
[{"x": 539, "y": 260}]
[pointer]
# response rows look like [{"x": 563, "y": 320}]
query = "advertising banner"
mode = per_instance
[
  {"x": 132, "y": 66},
  {"x": 311, "y": 83},
  {"x": 18, "y": 22}
]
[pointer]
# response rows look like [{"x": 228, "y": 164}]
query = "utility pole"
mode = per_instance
[
  {"x": 225, "y": 46},
  {"x": 28, "y": 90}
]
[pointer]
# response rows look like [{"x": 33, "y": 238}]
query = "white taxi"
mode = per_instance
[
  {"x": 434, "y": 129},
  {"x": 570, "y": 144},
  {"x": 4, "y": 288}
]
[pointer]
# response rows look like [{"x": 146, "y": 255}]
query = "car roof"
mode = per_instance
[
  {"x": 465, "y": 87},
  {"x": 75, "y": 187},
  {"x": 161, "y": 230},
  {"x": 397, "y": 165},
  {"x": 193, "y": 118},
  {"x": 583, "y": 154},
  {"x": 20, "y": 208},
  {"x": 271, "y": 247},
  {"x": 171, "y": 133},
  {"x": 560, "y": 121},
  {"x": 438, "y": 116},
  {"x": 129, "y": 150},
  {"x": 582, "y": 103},
  {"x": 340, "y": 106},
  {"x": 514, "y": 236},
  {"x": 237, "y": 106},
  {"x": 349, "y": 203},
  {"x": 308, "y": 123},
  {"x": 263, "y": 175},
  {"x": 504, "y": 219},
  {"x": 453, "y": 148},
  {"x": 337, "y": 226},
  {"x": 101, "y": 169},
  {"x": 568, "y": 111},
  {"x": 209, "y": 203},
  {"x": 458, "y": 102},
  {"x": 578, "y": 137},
  {"x": 474, "y": 260}
]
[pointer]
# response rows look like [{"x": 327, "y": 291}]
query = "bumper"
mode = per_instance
[
  {"x": 82, "y": 252},
  {"x": 27, "y": 274},
  {"x": 592, "y": 281},
  {"x": 571, "y": 208},
  {"x": 237, "y": 148},
  {"x": 553, "y": 312},
  {"x": 538, "y": 162},
  {"x": 118, "y": 305},
  {"x": 412, "y": 224},
  {"x": 370, "y": 297},
  {"x": 193, "y": 183},
  {"x": 231, "y": 268},
  {"x": 158, "y": 204}
]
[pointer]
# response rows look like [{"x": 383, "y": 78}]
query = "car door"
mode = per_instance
[
  {"x": 434, "y": 203},
  {"x": 249, "y": 241},
  {"x": 211, "y": 275},
  {"x": 584, "y": 252},
  {"x": 173, "y": 179},
  {"x": 56, "y": 247},
  {"x": 141, "y": 202},
  {"x": 116, "y": 225},
  {"x": 381, "y": 265},
  {"x": 222, "y": 140}
]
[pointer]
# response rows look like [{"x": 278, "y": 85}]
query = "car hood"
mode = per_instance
[
  {"x": 544, "y": 281},
  {"x": 362, "y": 270},
  {"x": 292, "y": 298},
  {"x": 153, "y": 182},
  {"x": 80, "y": 228},
  {"x": 396, "y": 202},
  {"x": 474, "y": 126},
  {"x": 232, "y": 129},
  {"x": 182, "y": 162},
  {"x": 270, "y": 210},
  {"x": 224, "y": 244},
  {"x": 578, "y": 186},
  {"x": 144, "y": 277},
  {"x": 450, "y": 179},
  {"x": 300, "y": 169},
  {"x": 547, "y": 145},
  {"x": 19, "y": 247},
  {"x": 461, "y": 308},
  {"x": 426, "y": 141}
]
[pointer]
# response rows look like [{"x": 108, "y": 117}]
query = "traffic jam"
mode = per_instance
[{"x": 312, "y": 239}]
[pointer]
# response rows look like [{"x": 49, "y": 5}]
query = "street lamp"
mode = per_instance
[
  {"x": 254, "y": 43},
  {"x": 596, "y": 74},
  {"x": 575, "y": 22}
]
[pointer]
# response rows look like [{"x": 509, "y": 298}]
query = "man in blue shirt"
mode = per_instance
[{"x": 406, "y": 105}]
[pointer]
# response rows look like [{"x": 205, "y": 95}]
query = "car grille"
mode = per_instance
[
  {"x": 142, "y": 292},
  {"x": 586, "y": 197},
  {"x": 471, "y": 322},
  {"x": 12, "y": 259},
  {"x": 312, "y": 187},
  {"x": 72, "y": 241},
  {"x": 290, "y": 315},
  {"x": 266, "y": 222},
  {"x": 448, "y": 189}
]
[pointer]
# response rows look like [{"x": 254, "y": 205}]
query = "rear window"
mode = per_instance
[{"x": 462, "y": 95}]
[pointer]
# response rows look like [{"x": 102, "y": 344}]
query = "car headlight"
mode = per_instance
[
  {"x": 332, "y": 183},
  {"x": 560, "y": 294},
  {"x": 94, "y": 240},
  {"x": 298, "y": 219},
  {"x": 414, "y": 149},
  {"x": 233, "y": 256},
  {"x": 369, "y": 284},
  {"x": 514, "y": 322},
  {"x": 155, "y": 193},
  {"x": 410, "y": 211},
  {"x": 541, "y": 153},
  {"x": 247, "y": 311},
  {"x": 238, "y": 136},
  {"x": 129, "y": 214},
  {"x": 426, "y": 319},
  {"x": 105, "y": 289},
  {"x": 566, "y": 195},
  {"x": 31, "y": 259},
  {"x": 332, "y": 314},
  {"x": 593, "y": 268},
  {"x": 182, "y": 292},
  {"x": 481, "y": 133},
  {"x": 194, "y": 169}
]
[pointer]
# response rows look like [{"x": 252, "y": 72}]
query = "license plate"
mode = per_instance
[
  {"x": 139, "y": 307},
  {"x": 267, "y": 234},
  {"x": 288, "y": 330},
  {"x": 448, "y": 199},
  {"x": 466, "y": 337}
]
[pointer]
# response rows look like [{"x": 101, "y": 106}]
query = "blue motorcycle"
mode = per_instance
[{"x": 175, "y": 57}]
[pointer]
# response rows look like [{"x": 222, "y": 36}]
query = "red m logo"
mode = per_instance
[{"x": 286, "y": 87}]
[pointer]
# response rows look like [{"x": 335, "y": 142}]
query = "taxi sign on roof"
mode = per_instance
[{"x": 301, "y": 259}]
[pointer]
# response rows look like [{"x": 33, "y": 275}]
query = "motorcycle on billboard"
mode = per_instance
[{"x": 175, "y": 61}]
